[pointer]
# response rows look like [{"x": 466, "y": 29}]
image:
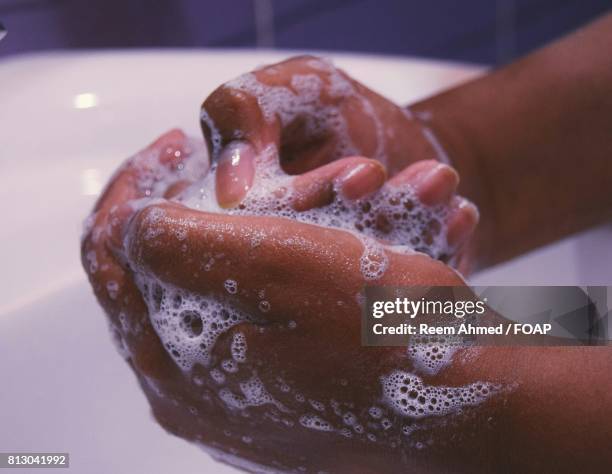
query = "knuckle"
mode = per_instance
[
  {"x": 226, "y": 101},
  {"x": 145, "y": 232}
]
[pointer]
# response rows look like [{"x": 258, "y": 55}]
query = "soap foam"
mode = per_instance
[
  {"x": 188, "y": 324},
  {"x": 429, "y": 354},
  {"x": 391, "y": 219},
  {"x": 315, "y": 422},
  {"x": 239, "y": 347},
  {"x": 305, "y": 98},
  {"x": 409, "y": 396},
  {"x": 254, "y": 394},
  {"x": 284, "y": 104},
  {"x": 154, "y": 178}
]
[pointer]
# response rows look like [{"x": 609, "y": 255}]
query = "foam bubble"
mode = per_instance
[
  {"x": 229, "y": 365},
  {"x": 154, "y": 178},
  {"x": 409, "y": 396},
  {"x": 231, "y": 286},
  {"x": 304, "y": 99},
  {"x": 430, "y": 354},
  {"x": 239, "y": 347},
  {"x": 375, "y": 412},
  {"x": 315, "y": 422},
  {"x": 319, "y": 406},
  {"x": 188, "y": 324},
  {"x": 254, "y": 394},
  {"x": 217, "y": 376}
]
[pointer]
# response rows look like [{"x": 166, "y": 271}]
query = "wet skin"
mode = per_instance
[
  {"x": 322, "y": 358},
  {"x": 555, "y": 415}
]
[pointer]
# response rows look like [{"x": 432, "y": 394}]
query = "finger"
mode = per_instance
[
  {"x": 133, "y": 181},
  {"x": 271, "y": 107},
  {"x": 298, "y": 299},
  {"x": 361, "y": 179},
  {"x": 235, "y": 173},
  {"x": 102, "y": 252},
  {"x": 174, "y": 243},
  {"x": 270, "y": 284},
  {"x": 354, "y": 177},
  {"x": 434, "y": 182},
  {"x": 229, "y": 114},
  {"x": 243, "y": 109},
  {"x": 461, "y": 222},
  {"x": 127, "y": 184}
]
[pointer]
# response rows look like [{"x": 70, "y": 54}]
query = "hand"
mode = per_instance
[
  {"x": 312, "y": 113},
  {"x": 223, "y": 317}
]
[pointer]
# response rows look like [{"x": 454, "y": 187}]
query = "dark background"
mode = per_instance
[{"x": 483, "y": 31}]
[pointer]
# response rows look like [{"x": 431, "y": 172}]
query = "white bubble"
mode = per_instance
[
  {"x": 231, "y": 286},
  {"x": 217, "y": 376},
  {"x": 253, "y": 394},
  {"x": 430, "y": 354},
  {"x": 188, "y": 324},
  {"x": 229, "y": 365},
  {"x": 407, "y": 395},
  {"x": 239, "y": 347},
  {"x": 315, "y": 422}
]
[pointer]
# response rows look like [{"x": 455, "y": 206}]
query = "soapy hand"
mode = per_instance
[
  {"x": 312, "y": 113},
  {"x": 417, "y": 209},
  {"x": 228, "y": 319}
]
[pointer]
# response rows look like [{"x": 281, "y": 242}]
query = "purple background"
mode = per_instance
[{"x": 484, "y": 31}]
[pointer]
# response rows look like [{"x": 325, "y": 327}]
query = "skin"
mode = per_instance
[
  {"x": 546, "y": 421},
  {"x": 549, "y": 129},
  {"x": 328, "y": 263},
  {"x": 523, "y": 140}
]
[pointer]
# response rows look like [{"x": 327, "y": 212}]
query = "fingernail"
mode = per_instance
[
  {"x": 437, "y": 185},
  {"x": 235, "y": 173},
  {"x": 462, "y": 223},
  {"x": 362, "y": 179}
]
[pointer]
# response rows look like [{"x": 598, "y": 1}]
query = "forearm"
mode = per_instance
[
  {"x": 557, "y": 414},
  {"x": 533, "y": 142}
]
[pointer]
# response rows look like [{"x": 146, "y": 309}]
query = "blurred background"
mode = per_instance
[{"x": 482, "y": 31}]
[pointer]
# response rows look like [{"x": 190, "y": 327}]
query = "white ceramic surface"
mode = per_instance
[{"x": 68, "y": 120}]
